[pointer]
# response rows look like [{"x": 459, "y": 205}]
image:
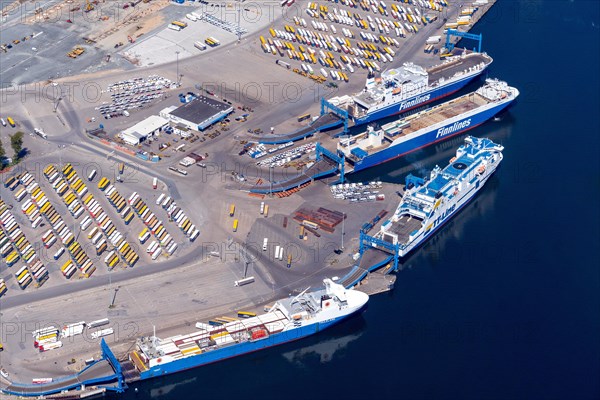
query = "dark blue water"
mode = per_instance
[{"x": 504, "y": 303}]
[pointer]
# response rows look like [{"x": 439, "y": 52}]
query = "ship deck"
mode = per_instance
[
  {"x": 445, "y": 111},
  {"x": 191, "y": 344},
  {"x": 404, "y": 227},
  {"x": 447, "y": 70},
  {"x": 368, "y": 99},
  {"x": 426, "y": 118}
]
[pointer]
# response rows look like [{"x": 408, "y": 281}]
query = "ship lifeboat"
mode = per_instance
[
  {"x": 481, "y": 169},
  {"x": 378, "y": 80},
  {"x": 397, "y": 91},
  {"x": 453, "y": 159}
]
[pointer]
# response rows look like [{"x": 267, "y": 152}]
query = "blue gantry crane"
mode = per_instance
[{"x": 453, "y": 32}]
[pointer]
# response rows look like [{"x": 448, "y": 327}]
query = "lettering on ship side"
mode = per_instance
[
  {"x": 444, "y": 215},
  {"x": 411, "y": 103},
  {"x": 457, "y": 126}
]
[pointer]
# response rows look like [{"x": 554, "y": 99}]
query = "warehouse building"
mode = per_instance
[
  {"x": 143, "y": 130},
  {"x": 197, "y": 114}
]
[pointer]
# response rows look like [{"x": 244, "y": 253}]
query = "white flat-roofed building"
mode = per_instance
[{"x": 144, "y": 129}]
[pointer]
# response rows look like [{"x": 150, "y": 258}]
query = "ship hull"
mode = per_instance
[
  {"x": 425, "y": 98},
  {"x": 240, "y": 349},
  {"x": 430, "y": 137}
]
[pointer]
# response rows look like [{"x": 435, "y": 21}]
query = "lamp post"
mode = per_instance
[
  {"x": 343, "y": 225},
  {"x": 177, "y": 63},
  {"x": 239, "y": 32},
  {"x": 271, "y": 181}
]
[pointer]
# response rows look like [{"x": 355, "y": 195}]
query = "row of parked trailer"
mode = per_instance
[
  {"x": 178, "y": 216},
  {"x": 380, "y": 7},
  {"x": 164, "y": 240},
  {"x": 400, "y": 14},
  {"x": 122, "y": 248},
  {"x": 3, "y": 288},
  {"x": 324, "y": 44},
  {"x": 15, "y": 247},
  {"x": 78, "y": 257},
  {"x": 366, "y": 55}
]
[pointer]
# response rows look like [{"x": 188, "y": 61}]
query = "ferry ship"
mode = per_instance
[
  {"x": 427, "y": 204},
  {"x": 410, "y": 86},
  {"x": 422, "y": 129},
  {"x": 287, "y": 320}
]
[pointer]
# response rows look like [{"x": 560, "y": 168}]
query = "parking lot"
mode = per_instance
[
  {"x": 365, "y": 37},
  {"x": 134, "y": 93},
  {"x": 72, "y": 223}
]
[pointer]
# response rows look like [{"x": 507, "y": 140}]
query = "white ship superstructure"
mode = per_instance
[{"x": 427, "y": 204}]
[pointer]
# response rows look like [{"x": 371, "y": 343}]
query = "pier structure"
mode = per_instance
[
  {"x": 104, "y": 373},
  {"x": 326, "y": 163},
  {"x": 453, "y": 32},
  {"x": 374, "y": 254}
]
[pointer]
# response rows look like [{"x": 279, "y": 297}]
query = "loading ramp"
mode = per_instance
[
  {"x": 374, "y": 254},
  {"x": 370, "y": 260},
  {"x": 326, "y": 164},
  {"x": 105, "y": 372},
  {"x": 330, "y": 117}
]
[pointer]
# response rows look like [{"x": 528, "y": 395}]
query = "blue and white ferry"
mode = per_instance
[
  {"x": 405, "y": 135},
  {"x": 428, "y": 204},
  {"x": 287, "y": 320},
  {"x": 410, "y": 86}
]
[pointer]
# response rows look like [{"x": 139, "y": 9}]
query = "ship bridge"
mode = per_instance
[{"x": 104, "y": 373}]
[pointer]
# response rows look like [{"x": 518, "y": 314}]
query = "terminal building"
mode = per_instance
[
  {"x": 197, "y": 114},
  {"x": 143, "y": 130}
]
